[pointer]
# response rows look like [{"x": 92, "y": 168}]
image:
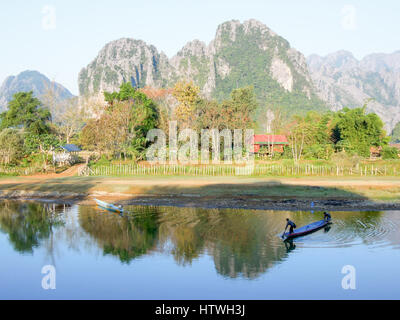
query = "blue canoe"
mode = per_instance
[
  {"x": 109, "y": 206},
  {"x": 310, "y": 228}
]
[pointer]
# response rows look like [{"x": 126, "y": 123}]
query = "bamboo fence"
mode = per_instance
[{"x": 232, "y": 170}]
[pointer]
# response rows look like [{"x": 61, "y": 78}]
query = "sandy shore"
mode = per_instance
[{"x": 206, "y": 192}]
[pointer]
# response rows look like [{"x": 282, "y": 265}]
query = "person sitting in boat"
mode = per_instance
[
  {"x": 327, "y": 216},
  {"x": 290, "y": 224}
]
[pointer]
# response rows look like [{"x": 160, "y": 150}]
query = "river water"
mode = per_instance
[{"x": 185, "y": 253}]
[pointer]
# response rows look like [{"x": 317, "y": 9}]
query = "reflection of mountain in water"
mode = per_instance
[
  {"x": 239, "y": 241},
  {"x": 242, "y": 243}
]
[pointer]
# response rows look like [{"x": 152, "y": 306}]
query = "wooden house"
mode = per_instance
[{"x": 268, "y": 144}]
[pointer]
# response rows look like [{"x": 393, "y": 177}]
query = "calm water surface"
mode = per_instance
[{"x": 176, "y": 253}]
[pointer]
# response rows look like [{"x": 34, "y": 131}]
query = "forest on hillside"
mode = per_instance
[{"x": 30, "y": 133}]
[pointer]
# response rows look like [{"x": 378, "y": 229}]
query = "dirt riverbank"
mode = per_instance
[{"x": 221, "y": 192}]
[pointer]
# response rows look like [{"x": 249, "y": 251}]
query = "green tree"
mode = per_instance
[
  {"x": 124, "y": 124},
  {"x": 390, "y": 153},
  {"x": 209, "y": 115},
  {"x": 126, "y": 92},
  {"x": 44, "y": 143},
  {"x": 319, "y": 144},
  {"x": 11, "y": 145},
  {"x": 26, "y": 111},
  {"x": 240, "y": 108},
  {"x": 355, "y": 131},
  {"x": 235, "y": 113},
  {"x": 187, "y": 95}
]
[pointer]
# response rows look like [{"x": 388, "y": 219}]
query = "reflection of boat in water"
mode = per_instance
[
  {"x": 109, "y": 206},
  {"x": 327, "y": 228},
  {"x": 310, "y": 228},
  {"x": 289, "y": 244}
]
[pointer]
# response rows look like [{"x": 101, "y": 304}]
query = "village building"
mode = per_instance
[
  {"x": 265, "y": 144},
  {"x": 66, "y": 155},
  {"x": 375, "y": 152}
]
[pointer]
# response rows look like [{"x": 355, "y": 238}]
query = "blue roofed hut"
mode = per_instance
[{"x": 66, "y": 155}]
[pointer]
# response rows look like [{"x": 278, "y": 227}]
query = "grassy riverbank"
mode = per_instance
[{"x": 362, "y": 193}]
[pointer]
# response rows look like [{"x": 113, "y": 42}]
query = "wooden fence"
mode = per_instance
[
  {"x": 17, "y": 170},
  {"x": 232, "y": 170}
]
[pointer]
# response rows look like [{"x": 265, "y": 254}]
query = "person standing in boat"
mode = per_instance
[
  {"x": 327, "y": 216},
  {"x": 290, "y": 224}
]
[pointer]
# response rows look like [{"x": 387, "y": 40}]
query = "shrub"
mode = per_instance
[{"x": 389, "y": 153}]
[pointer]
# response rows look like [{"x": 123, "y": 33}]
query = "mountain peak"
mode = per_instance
[
  {"x": 195, "y": 47},
  {"x": 230, "y": 29},
  {"x": 30, "y": 80},
  {"x": 344, "y": 81},
  {"x": 241, "y": 54},
  {"x": 255, "y": 24},
  {"x": 123, "y": 60},
  {"x": 336, "y": 60}
]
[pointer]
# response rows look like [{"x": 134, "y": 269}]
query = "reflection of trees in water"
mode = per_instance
[
  {"x": 239, "y": 241},
  {"x": 185, "y": 229},
  {"x": 125, "y": 237},
  {"x": 27, "y": 224},
  {"x": 242, "y": 243}
]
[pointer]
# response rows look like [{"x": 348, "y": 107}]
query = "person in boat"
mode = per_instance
[
  {"x": 327, "y": 216},
  {"x": 291, "y": 226}
]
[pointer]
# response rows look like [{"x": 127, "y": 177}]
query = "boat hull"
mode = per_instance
[
  {"x": 310, "y": 228},
  {"x": 108, "y": 206}
]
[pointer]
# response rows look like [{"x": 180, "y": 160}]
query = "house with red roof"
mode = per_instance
[{"x": 266, "y": 143}]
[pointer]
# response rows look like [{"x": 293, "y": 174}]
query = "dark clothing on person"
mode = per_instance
[
  {"x": 292, "y": 226},
  {"x": 327, "y": 216}
]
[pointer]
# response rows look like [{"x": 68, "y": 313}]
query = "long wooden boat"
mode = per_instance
[
  {"x": 310, "y": 228},
  {"x": 109, "y": 206}
]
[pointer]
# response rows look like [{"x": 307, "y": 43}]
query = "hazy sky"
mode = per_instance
[{"x": 58, "y": 38}]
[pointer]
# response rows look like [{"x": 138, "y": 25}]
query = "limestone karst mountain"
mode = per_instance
[
  {"x": 250, "y": 53},
  {"x": 343, "y": 81},
  {"x": 241, "y": 54},
  {"x": 31, "y": 81}
]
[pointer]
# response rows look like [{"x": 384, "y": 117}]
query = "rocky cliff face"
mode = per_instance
[
  {"x": 122, "y": 61},
  {"x": 241, "y": 54},
  {"x": 249, "y": 53},
  {"x": 30, "y": 81},
  {"x": 343, "y": 81}
]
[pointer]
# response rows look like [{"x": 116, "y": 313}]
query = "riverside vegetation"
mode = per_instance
[{"x": 320, "y": 143}]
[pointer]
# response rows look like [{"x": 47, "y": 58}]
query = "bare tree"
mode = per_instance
[
  {"x": 297, "y": 132},
  {"x": 72, "y": 119}
]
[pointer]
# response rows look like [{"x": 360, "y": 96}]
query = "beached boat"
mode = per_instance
[
  {"x": 310, "y": 228},
  {"x": 109, "y": 206}
]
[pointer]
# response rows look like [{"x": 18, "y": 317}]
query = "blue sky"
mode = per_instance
[{"x": 58, "y": 38}]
